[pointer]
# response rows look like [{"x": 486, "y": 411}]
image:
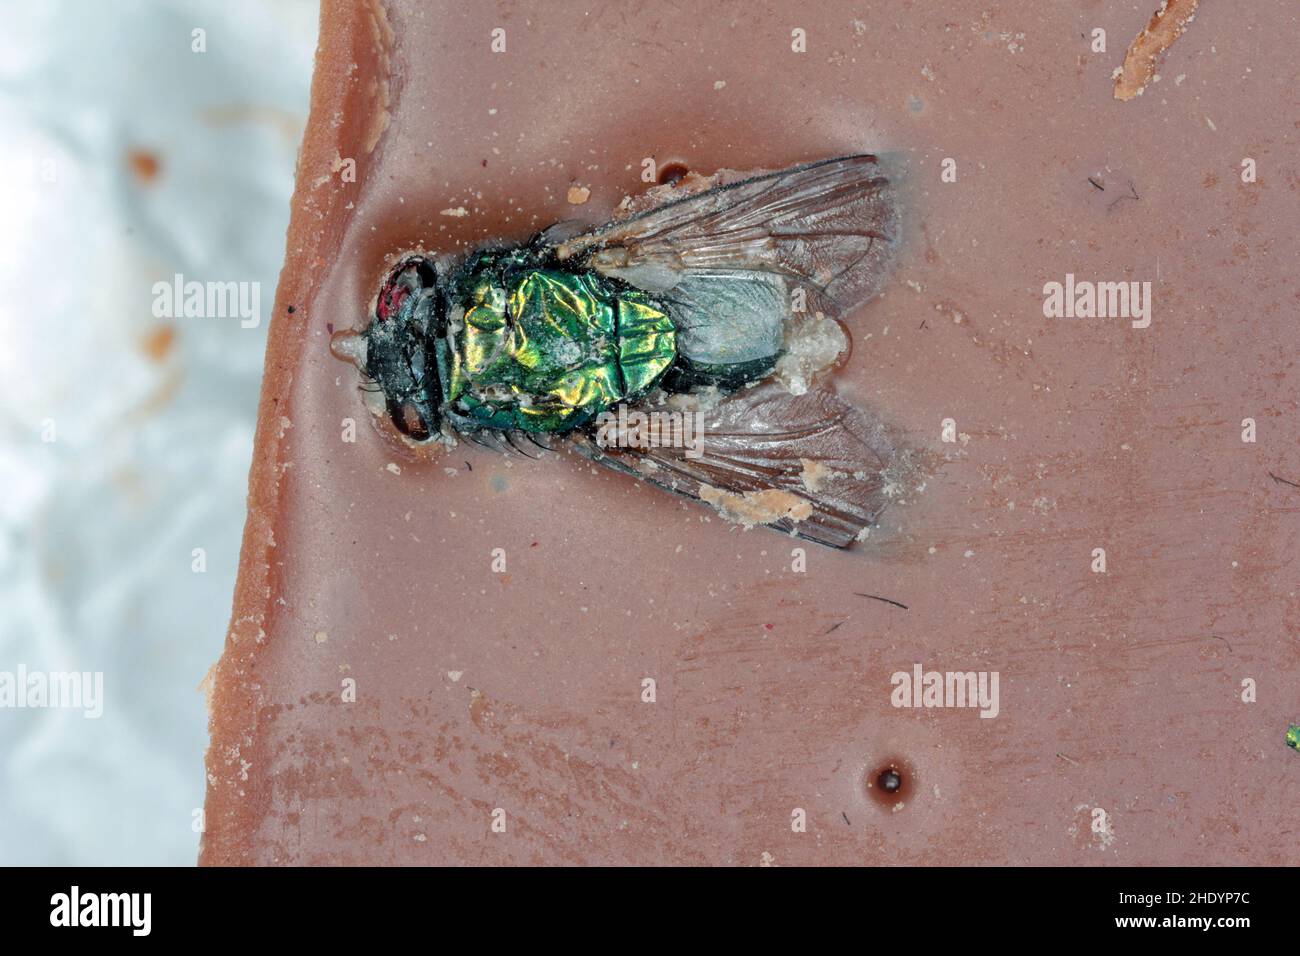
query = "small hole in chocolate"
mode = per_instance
[
  {"x": 890, "y": 783},
  {"x": 671, "y": 173}
]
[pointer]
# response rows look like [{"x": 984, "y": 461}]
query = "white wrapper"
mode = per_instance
[{"x": 117, "y": 465}]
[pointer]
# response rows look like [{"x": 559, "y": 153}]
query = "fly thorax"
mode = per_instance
[{"x": 547, "y": 350}]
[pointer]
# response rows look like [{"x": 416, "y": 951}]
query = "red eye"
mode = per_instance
[{"x": 391, "y": 298}]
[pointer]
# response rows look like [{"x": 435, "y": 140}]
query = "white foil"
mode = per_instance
[{"x": 149, "y": 458}]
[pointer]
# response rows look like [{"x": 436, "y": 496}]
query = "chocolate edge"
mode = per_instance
[{"x": 350, "y": 33}]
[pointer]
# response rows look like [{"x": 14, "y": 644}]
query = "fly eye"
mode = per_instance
[
  {"x": 411, "y": 276},
  {"x": 391, "y": 298},
  {"x": 411, "y": 421}
]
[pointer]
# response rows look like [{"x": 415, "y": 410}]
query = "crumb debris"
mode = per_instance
[
  {"x": 578, "y": 195},
  {"x": 1166, "y": 25},
  {"x": 814, "y": 474},
  {"x": 811, "y": 344},
  {"x": 756, "y": 507}
]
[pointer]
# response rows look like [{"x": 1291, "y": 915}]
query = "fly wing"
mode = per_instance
[
  {"x": 810, "y": 464},
  {"x": 828, "y": 227}
]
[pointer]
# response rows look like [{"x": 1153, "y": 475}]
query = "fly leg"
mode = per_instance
[
  {"x": 487, "y": 439},
  {"x": 510, "y": 437}
]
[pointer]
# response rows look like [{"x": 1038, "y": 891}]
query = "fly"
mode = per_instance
[{"x": 698, "y": 304}]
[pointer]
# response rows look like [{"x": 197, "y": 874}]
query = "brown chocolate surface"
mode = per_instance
[{"x": 523, "y": 691}]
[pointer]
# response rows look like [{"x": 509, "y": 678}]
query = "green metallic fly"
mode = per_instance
[{"x": 690, "y": 303}]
